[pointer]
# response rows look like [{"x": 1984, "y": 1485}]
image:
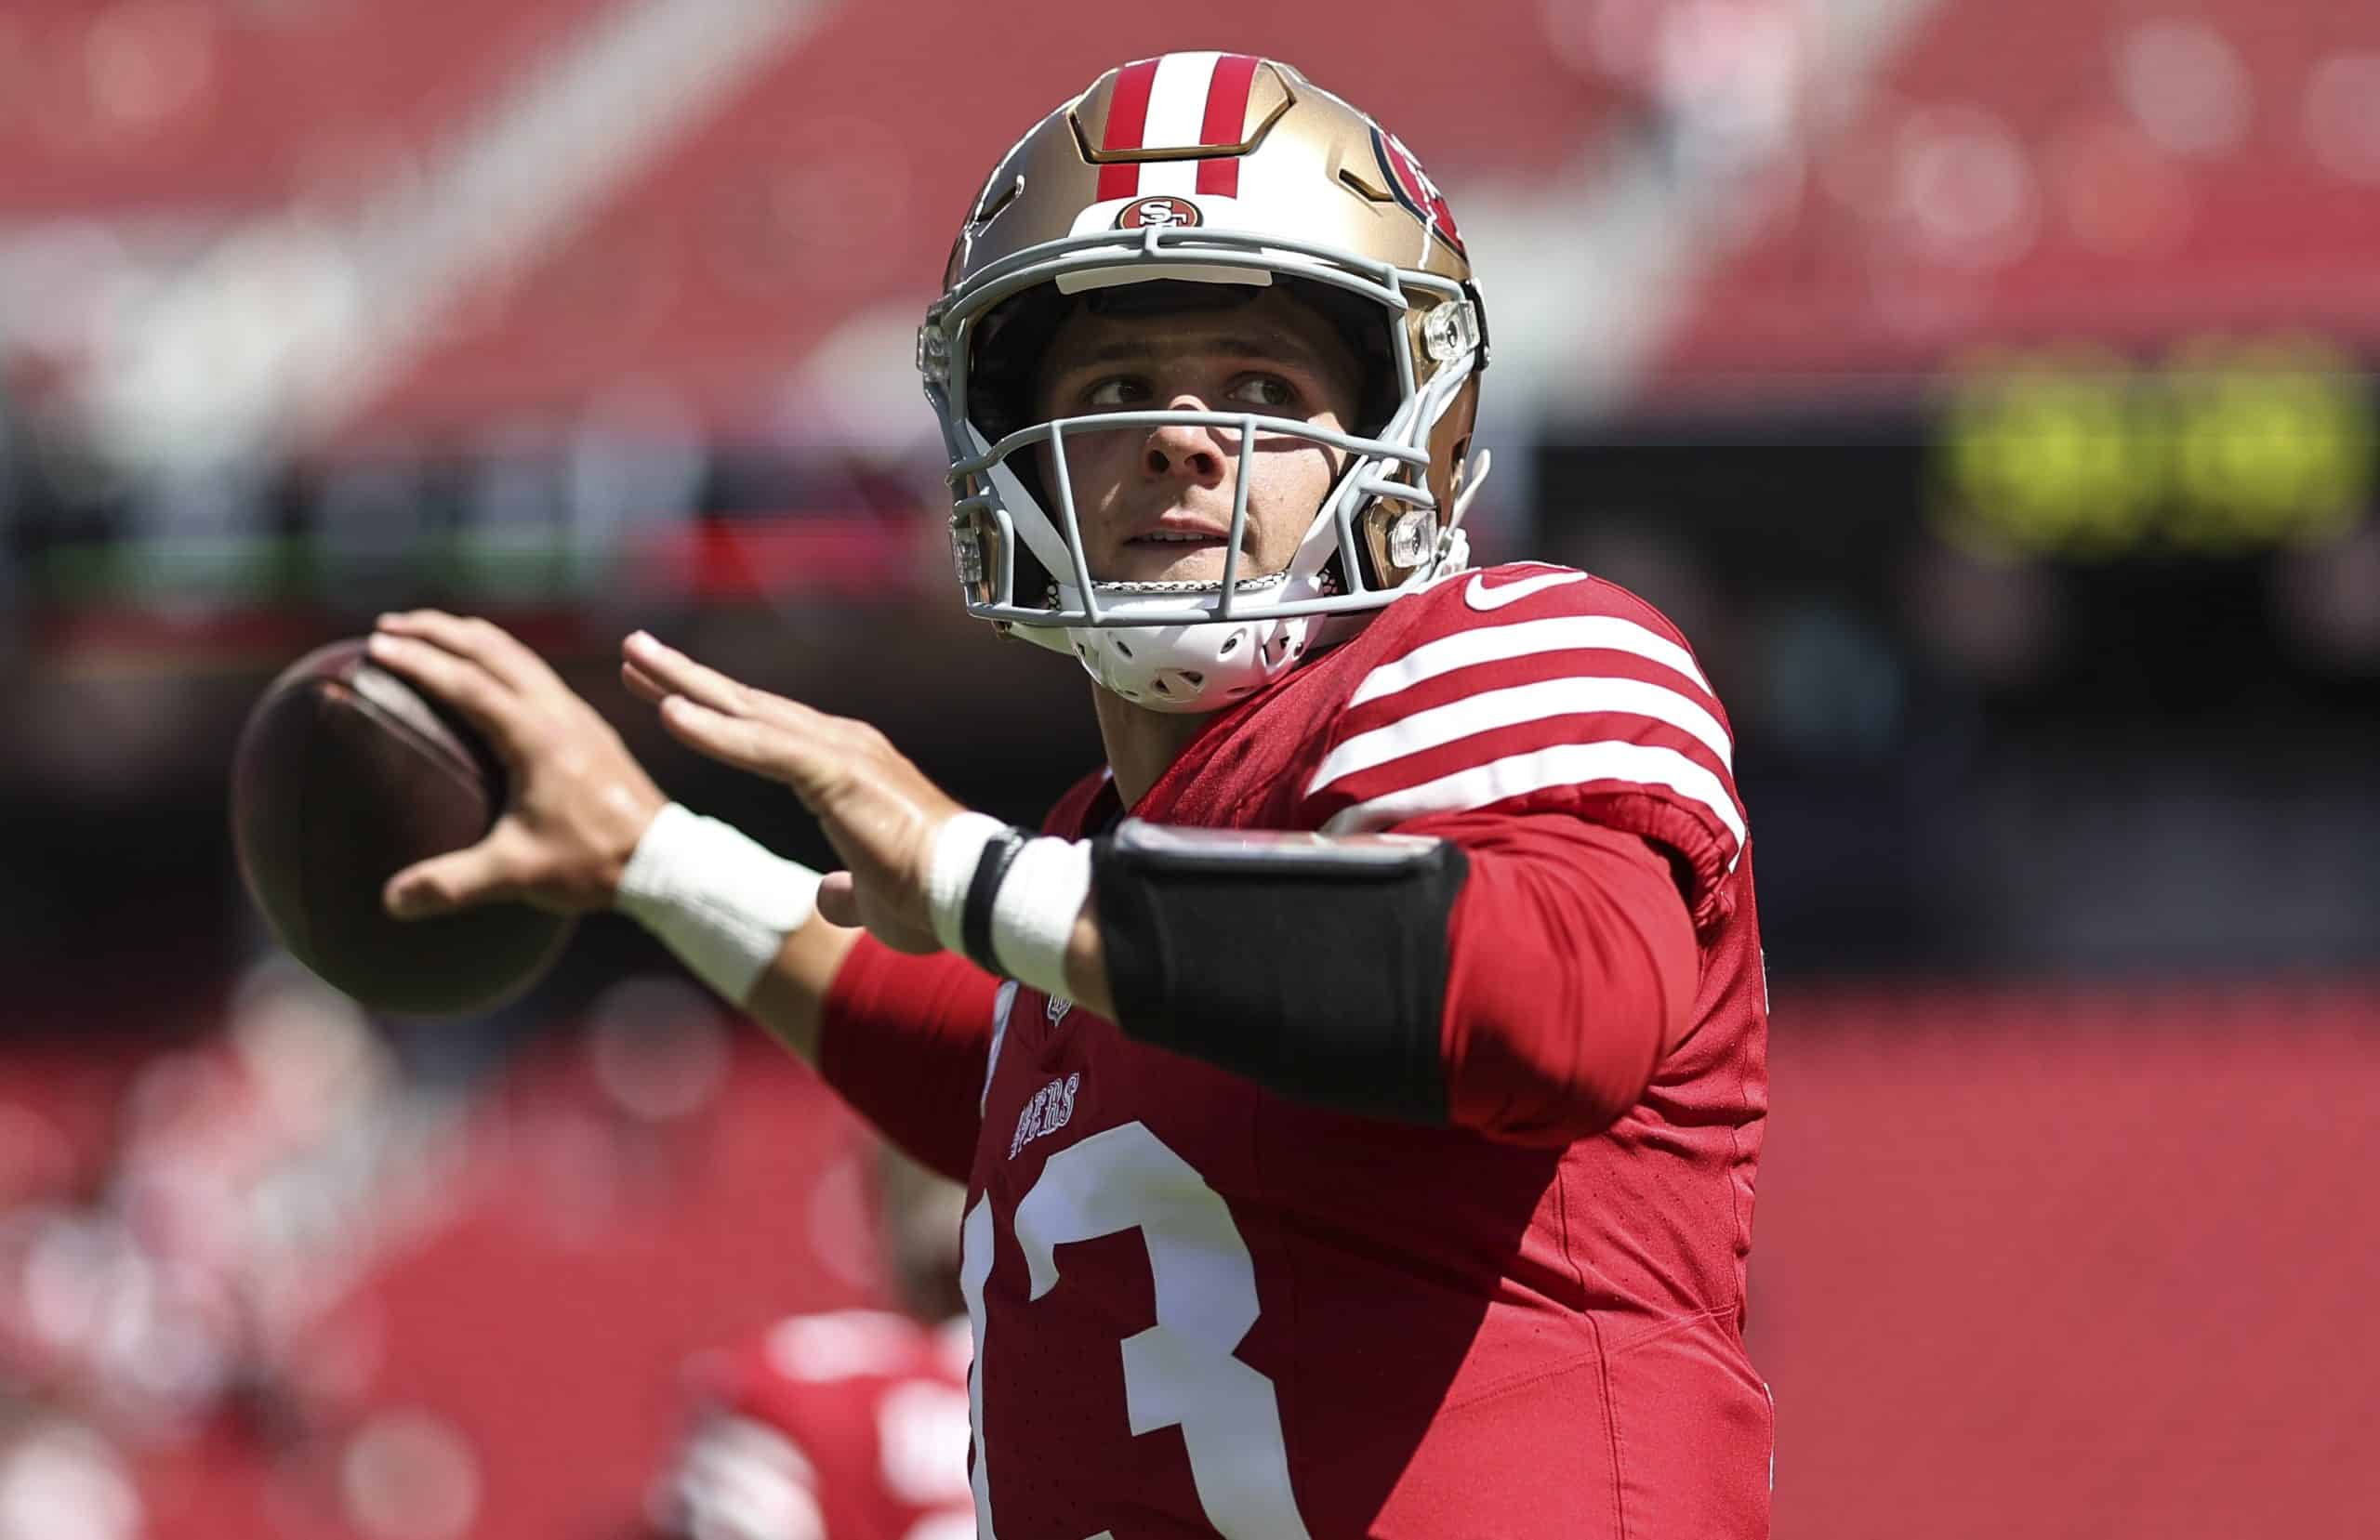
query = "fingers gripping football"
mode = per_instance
[
  {"x": 503, "y": 866},
  {"x": 877, "y": 809},
  {"x": 579, "y": 800}
]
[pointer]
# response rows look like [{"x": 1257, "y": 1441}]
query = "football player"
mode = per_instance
[
  {"x": 1359, "y": 1080},
  {"x": 849, "y": 1425}
]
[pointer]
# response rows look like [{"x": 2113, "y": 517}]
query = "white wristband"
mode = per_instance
[
  {"x": 1033, "y": 914},
  {"x": 958, "y": 851},
  {"x": 716, "y": 897}
]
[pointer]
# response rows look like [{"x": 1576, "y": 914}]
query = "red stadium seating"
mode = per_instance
[
  {"x": 1999, "y": 182},
  {"x": 2029, "y": 1260},
  {"x": 836, "y": 180},
  {"x": 2070, "y": 1262},
  {"x": 202, "y": 109}
]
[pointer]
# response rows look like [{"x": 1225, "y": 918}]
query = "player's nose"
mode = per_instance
[{"x": 1179, "y": 449}]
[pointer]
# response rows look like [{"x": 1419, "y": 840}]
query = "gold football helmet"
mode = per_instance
[{"x": 1209, "y": 168}]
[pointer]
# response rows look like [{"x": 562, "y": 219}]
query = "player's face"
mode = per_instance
[{"x": 1155, "y": 505}]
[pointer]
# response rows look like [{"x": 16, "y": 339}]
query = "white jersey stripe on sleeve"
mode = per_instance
[
  {"x": 1472, "y": 715},
  {"x": 1562, "y": 764},
  {"x": 1526, "y": 638}
]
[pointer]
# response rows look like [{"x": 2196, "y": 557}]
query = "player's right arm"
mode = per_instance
[
  {"x": 903, "y": 1039},
  {"x": 581, "y": 805},
  {"x": 790, "y": 997}
]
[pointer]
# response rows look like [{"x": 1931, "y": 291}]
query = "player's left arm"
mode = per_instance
[
  {"x": 1573, "y": 968},
  {"x": 1520, "y": 974}
]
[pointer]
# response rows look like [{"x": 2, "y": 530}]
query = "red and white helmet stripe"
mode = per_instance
[{"x": 1180, "y": 101}]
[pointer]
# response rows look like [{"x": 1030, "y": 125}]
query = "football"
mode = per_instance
[{"x": 345, "y": 775}]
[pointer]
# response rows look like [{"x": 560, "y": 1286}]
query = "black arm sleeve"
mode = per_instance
[{"x": 1314, "y": 967}]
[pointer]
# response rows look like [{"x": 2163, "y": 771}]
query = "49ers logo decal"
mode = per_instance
[
  {"x": 1413, "y": 187},
  {"x": 1164, "y": 213}
]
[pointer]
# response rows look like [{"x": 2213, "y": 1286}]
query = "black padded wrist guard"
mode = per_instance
[{"x": 1314, "y": 965}]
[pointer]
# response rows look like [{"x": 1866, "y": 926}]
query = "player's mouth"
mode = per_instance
[
  {"x": 1181, "y": 532},
  {"x": 1170, "y": 555},
  {"x": 1175, "y": 545}
]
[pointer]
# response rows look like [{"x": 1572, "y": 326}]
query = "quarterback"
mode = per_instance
[{"x": 1359, "y": 1081}]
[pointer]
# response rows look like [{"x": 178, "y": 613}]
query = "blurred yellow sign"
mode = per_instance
[{"x": 2224, "y": 447}]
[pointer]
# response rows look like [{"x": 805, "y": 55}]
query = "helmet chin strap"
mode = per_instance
[{"x": 1471, "y": 482}]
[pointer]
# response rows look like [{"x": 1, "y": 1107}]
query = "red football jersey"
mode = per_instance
[
  {"x": 1201, "y": 1309},
  {"x": 846, "y": 1425}
]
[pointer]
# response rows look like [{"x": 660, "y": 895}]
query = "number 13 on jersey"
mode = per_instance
[{"x": 1181, "y": 1371}]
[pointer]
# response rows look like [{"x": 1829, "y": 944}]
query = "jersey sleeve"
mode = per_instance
[
  {"x": 905, "y": 1040},
  {"x": 1533, "y": 689},
  {"x": 1571, "y": 967}
]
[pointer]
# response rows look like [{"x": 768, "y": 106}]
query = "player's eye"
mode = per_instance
[
  {"x": 1267, "y": 390},
  {"x": 1121, "y": 391}
]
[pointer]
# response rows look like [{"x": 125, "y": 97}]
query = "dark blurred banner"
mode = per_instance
[{"x": 2066, "y": 661}]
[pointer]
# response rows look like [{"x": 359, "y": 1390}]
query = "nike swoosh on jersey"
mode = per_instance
[{"x": 1481, "y": 597}]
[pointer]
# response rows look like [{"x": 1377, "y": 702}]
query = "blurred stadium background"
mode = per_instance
[{"x": 1987, "y": 386}]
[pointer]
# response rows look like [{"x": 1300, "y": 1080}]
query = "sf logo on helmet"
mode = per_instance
[{"x": 1162, "y": 212}]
